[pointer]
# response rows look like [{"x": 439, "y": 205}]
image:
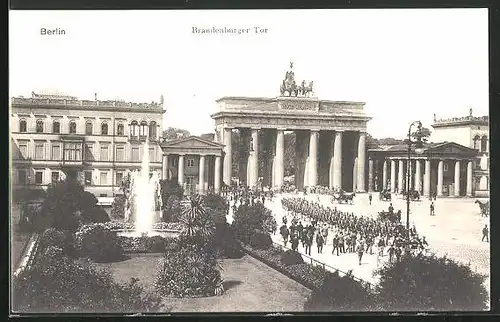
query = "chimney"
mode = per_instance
[
  {"x": 95, "y": 96},
  {"x": 470, "y": 112}
]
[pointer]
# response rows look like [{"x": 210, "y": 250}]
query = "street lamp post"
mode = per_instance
[{"x": 418, "y": 149}]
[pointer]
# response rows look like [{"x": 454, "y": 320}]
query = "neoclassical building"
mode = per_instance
[{"x": 96, "y": 141}]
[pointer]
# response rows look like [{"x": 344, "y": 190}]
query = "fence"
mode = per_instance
[
  {"x": 316, "y": 262},
  {"x": 29, "y": 254}
]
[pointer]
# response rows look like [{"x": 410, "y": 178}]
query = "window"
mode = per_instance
[
  {"x": 38, "y": 177},
  {"x": 135, "y": 154},
  {"x": 39, "y": 151},
  {"x": 89, "y": 152},
  {"x": 55, "y": 176},
  {"x": 21, "y": 176},
  {"x": 119, "y": 178},
  {"x": 445, "y": 167},
  {"x": 23, "y": 149},
  {"x": 56, "y": 152},
  {"x": 143, "y": 130},
  {"x": 39, "y": 126},
  {"x": 120, "y": 153},
  {"x": 104, "y": 128},
  {"x": 88, "y": 178},
  {"x": 134, "y": 129},
  {"x": 190, "y": 163},
  {"x": 23, "y": 127},
  {"x": 56, "y": 127},
  {"x": 152, "y": 155},
  {"x": 104, "y": 153},
  {"x": 120, "y": 129},
  {"x": 73, "y": 151},
  {"x": 484, "y": 144},
  {"x": 88, "y": 128},
  {"x": 104, "y": 178},
  {"x": 72, "y": 127},
  {"x": 152, "y": 130}
]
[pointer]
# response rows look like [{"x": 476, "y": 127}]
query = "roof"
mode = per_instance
[
  {"x": 191, "y": 141},
  {"x": 433, "y": 147}
]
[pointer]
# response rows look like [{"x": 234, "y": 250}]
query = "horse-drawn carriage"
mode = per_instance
[
  {"x": 385, "y": 195},
  {"x": 343, "y": 197},
  {"x": 393, "y": 217},
  {"x": 414, "y": 195}
]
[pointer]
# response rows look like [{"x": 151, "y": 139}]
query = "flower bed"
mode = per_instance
[{"x": 147, "y": 244}]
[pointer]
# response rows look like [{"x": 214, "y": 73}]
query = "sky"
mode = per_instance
[{"x": 405, "y": 64}]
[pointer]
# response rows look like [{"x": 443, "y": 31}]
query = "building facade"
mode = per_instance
[
  {"x": 472, "y": 132},
  {"x": 194, "y": 162},
  {"x": 95, "y": 141}
]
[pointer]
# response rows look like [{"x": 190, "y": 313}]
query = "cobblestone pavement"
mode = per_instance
[{"x": 455, "y": 231}]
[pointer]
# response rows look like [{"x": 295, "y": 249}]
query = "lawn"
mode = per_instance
[{"x": 250, "y": 286}]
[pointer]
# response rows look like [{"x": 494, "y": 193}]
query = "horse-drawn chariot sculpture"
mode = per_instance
[
  {"x": 290, "y": 87},
  {"x": 385, "y": 195},
  {"x": 343, "y": 197}
]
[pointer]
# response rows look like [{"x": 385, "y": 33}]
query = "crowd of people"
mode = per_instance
[{"x": 351, "y": 233}]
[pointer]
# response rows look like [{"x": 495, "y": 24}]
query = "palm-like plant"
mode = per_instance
[{"x": 198, "y": 227}]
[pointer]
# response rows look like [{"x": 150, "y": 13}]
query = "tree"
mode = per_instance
[
  {"x": 208, "y": 136},
  {"x": 173, "y": 133},
  {"x": 171, "y": 187},
  {"x": 430, "y": 283},
  {"x": 424, "y": 134},
  {"x": 198, "y": 228}
]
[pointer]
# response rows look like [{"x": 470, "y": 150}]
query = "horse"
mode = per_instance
[
  {"x": 484, "y": 207},
  {"x": 414, "y": 195},
  {"x": 385, "y": 195},
  {"x": 308, "y": 89}
]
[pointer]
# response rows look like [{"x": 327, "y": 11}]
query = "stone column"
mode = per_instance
[
  {"x": 393, "y": 175},
  {"x": 457, "y": 178},
  {"x": 164, "y": 167},
  {"x": 217, "y": 174},
  {"x": 228, "y": 151},
  {"x": 400, "y": 176},
  {"x": 254, "y": 160},
  {"x": 361, "y": 162},
  {"x": 337, "y": 160},
  {"x": 469, "y": 179},
  {"x": 427, "y": 178},
  {"x": 180, "y": 167},
  {"x": 313, "y": 158},
  {"x": 439, "y": 188},
  {"x": 201, "y": 175},
  {"x": 279, "y": 167},
  {"x": 370, "y": 175},
  {"x": 355, "y": 174},
  {"x": 384, "y": 175},
  {"x": 418, "y": 175}
]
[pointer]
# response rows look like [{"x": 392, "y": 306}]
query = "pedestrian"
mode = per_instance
[
  {"x": 359, "y": 250},
  {"x": 284, "y": 233},
  {"x": 319, "y": 242},
  {"x": 370, "y": 198},
  {"x": 381, "y": 245},
  {"x": 295, "y": 243},
  {"x": 391, "y": 252},
  {"x": 324, "y": 232},
  {"x": 432, "y": 208},
  {"x": 336, "y": 244},
  {"x": 391, "y": 209},
  {"x": 399, "y": 251},
  {"x": 309, "y": 241},
  {"x": 485, "y": 233},
  {"x": 263, "y": 199}
]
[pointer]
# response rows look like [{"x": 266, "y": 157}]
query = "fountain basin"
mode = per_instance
[{"x": 156, "y": 232}]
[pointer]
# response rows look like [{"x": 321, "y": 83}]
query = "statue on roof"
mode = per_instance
[{"x": 161, "y": 99}]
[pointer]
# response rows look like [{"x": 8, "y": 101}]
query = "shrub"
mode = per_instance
[
  {"x": 56, "y": 283},
  {"x": 118, "y": 207},
  {"x": 216, "y": 202},
  {"x": 430, "y": 283},
  {"x": 52, "y": 237},
  {"x": 95, "y": 214},
  {"x": 98, "y": 243},
  {"x": 249, "y": 219},
  {"x": 171, "y": 187},
  {"x": 291, "y": 257},
  {"x": 226, "y": 242},
  {"x": 172, "y": 209},
  {"x": 156, "y": 244},
  {"x": 260, "y": 241},
  {"x": 188, "y": 272}
]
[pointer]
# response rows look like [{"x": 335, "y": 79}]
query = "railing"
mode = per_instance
[
  {"x": 316, "y": 262},
  {"x": 462, "y": 119},
  {"x": 29, "y": 254}
]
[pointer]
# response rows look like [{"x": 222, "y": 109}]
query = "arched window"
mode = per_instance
[
  {"x": 119, "y": 130},
  {"x": 104, "y": 128},
  {"x": 88, "y": 128},
  {"x": 484, "y": 144},
  {"x": 23, "y": 126},
  {"x": 39, "y": 126},
  {"x": 476, "y": 142},
  {"x": 152, "y": 130},
  {"x": 134, "y": 128},
  {"x": 72, "y": 127},
  {"x": 56, "y": 127},
  {"x": 143, "y": 128}
]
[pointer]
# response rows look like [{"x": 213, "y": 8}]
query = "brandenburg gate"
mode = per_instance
[{"x": 330, "y": 138}]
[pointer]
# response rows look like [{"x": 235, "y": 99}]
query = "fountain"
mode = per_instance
[{"x": 143, "y": 196}]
